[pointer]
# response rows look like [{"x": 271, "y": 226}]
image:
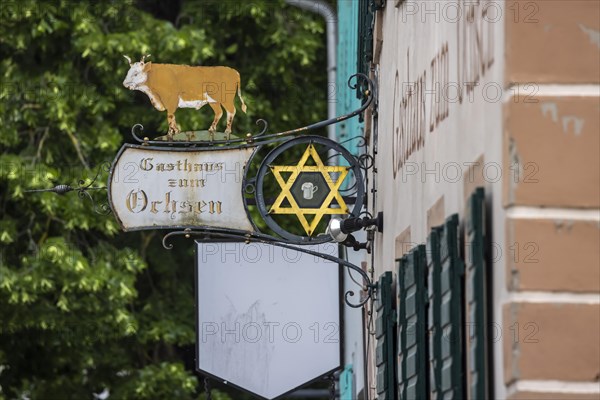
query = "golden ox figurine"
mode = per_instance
[{"x": 170, "y": 87}]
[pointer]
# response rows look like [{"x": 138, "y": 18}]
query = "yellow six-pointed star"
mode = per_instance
[{"x": 339, "y": 172}]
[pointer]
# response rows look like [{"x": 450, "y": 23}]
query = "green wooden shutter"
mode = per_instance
[
  {"x": 402, "y": 325},
  {"x": 445, "y": 272},
  {"x": 476, "y": 297},
  {"x": 434, "y": 266},
  {"x": 412, "y": 325},
  {"x": 384, "y": 334},
  {"x": 451, "y": 313}
]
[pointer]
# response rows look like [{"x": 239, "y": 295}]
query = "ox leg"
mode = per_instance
[
  {"x": 218, "y": 114},
  {"x": 173, "y": 129},
  {"x": 230, "y": 115}
]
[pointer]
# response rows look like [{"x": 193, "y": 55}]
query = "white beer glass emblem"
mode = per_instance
[{"x": 308, "y": 190}]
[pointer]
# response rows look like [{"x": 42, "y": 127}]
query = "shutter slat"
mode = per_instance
[
  {"x": 434, "y": 266},
  {"x": 385, "y": 325},
  {"x": 476, "y": 297},
  {"x": 412, "y": 322},
  {"x": 445, "y": 270}
]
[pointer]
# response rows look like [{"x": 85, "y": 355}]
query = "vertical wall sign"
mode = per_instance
[{"x": 268, "y": 317}]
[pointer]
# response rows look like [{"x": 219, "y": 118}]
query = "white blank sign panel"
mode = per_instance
[{"x": 268, "y": 317}]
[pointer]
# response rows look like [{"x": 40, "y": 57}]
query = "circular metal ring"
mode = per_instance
[
  {"x": 366, "y": 161},
  {"x": 250, "y": 188},
  {"x": 353, "y": 163}
]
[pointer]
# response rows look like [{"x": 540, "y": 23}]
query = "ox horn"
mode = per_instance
[
  {"x": 144, "y": 57},
  {"x": 128, "y": 59}
]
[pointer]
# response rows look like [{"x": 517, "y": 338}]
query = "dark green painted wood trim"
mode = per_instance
[
  {"x": 412, "y": 325},
  {"x": 434, "y": 265},
  {"x": 445, "y": 275},
  {"x": 476, "y": 297},
  {"x": 385, "y": 325}
]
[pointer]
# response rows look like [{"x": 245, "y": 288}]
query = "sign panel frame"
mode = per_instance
[
  {"x": 251, "y": 226},
  {"x": 337, "y": 295}
]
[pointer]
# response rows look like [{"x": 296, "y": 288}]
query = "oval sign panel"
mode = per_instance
[{"x": 154, "y": 188}]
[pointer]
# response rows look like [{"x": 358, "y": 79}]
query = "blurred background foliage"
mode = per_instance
[{"x": 87, "y": 311}]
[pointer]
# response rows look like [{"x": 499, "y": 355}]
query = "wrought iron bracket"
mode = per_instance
[
  {"x": 249, "y": 185},
  {"x": 215, "y": 234},
  {"x": 82, "y": 190}
]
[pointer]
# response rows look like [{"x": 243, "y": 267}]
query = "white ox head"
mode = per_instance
[{"x": 137, "y": 74}]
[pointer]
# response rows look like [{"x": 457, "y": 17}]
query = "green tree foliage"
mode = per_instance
[{"x": 85, "y": 308}]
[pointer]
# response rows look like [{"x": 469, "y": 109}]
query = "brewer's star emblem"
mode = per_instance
[{"x": 310, "y": 190}]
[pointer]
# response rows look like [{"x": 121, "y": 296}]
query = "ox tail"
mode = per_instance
[{"x": 239, "y": 92}]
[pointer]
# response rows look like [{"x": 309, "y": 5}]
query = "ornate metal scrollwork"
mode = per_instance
[
  {"x": 82, "y": 190},
  {"x": 252, "y": 188},
  {"x": 267, "y": 167},
  {"x": 214, "y": 234}
]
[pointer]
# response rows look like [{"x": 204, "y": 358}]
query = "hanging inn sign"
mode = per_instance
[
  {"x": 153, "y": 187},
  {"x": 279, "y": 187},
  {"x": 274, "y": 190}
]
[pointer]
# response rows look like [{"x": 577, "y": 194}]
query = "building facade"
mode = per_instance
[{"x": 485, "y": 136}]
